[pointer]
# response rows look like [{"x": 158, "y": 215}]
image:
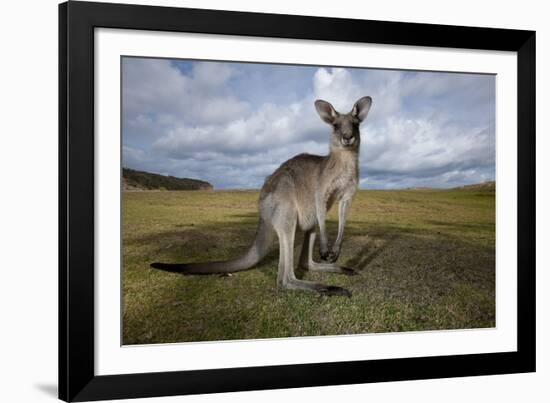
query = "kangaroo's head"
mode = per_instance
[{"x": 345, "y": 127}]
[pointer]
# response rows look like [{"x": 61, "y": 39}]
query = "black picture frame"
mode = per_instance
[{"x": 77, "y": 21}]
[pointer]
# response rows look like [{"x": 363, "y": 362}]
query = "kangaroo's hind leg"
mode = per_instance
[
  {"x": 285, "y": 226},
  {"x": 307, "y": 262}
]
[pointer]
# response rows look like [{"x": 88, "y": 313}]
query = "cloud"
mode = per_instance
[
  {"x": 232, "y": 123},
  {"x": 155, "y": 87},
  {"x": 269, "y": 127}
]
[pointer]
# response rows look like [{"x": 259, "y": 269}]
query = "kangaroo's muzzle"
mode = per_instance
[{"x": 348, "y": 141}]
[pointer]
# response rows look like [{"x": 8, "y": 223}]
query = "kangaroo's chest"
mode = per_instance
[{"x": 341, "y": 185}]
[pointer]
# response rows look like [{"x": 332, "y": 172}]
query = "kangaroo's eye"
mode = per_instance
[{"x": 336, "y": 126}]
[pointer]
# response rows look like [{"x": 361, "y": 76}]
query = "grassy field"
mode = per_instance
[{"x": 426, "y": 260}]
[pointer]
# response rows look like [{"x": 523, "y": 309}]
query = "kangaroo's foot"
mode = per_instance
[
  {"x": 330, "y": 290},
  {"x": 332, "y": 268},
  {"x": 329, "y": 268}
]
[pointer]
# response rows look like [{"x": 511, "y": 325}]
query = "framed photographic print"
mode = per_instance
[{"x": 257, "y": 201}]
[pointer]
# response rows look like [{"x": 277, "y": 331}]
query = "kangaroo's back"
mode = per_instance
[{"x": 299, "y": 174}]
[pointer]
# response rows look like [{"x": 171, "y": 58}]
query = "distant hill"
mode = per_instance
[
  {"x": 488, "y": 186},
  {"x": 140, "y": 180}
]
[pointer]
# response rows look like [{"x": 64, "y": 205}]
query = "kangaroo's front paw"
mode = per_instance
[
  {"x": 326, "y": 255},
  {"x": 323, "y": 252},
  {"x": 329, "y": 256},
  {"x": 332, "y": 255}
]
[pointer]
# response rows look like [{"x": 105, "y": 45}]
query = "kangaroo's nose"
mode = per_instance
[{"x": 348, "y": 140}]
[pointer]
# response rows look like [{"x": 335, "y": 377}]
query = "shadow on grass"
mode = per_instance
[
  {"x": 207, "y": 241},
  {"x": 215, "y": 241},
  {"x": 463, "y": 226},
  {"x": 367, "y": 253},
  {"x": 411, "y": 278}
]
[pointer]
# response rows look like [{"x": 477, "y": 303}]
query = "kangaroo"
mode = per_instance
[{"x": 299, "y": 194}]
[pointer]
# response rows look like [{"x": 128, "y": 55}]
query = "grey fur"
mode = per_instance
[{"x": 298, "y": 195}]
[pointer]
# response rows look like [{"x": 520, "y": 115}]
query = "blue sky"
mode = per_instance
[{"x": 233, "y": 124}]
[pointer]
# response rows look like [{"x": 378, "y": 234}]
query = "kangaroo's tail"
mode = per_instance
[{"x": 258, "y": 250}]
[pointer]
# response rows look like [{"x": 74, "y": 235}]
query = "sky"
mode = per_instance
[{"x": 233, "y": 124}]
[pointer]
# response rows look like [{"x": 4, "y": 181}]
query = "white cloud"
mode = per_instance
[
  {"x": 423, "y": 129},
  {"x": 156, "y": 87},
  {"x": 270, "y": 127},
  {"x": 337, "y": 87}
]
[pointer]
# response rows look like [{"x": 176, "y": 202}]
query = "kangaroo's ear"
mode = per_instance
[
  {"x": 325, "y": 111},
  {"x": 361, "y": 108}
]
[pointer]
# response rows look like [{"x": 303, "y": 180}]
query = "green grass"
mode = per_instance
[{"x": 426, "y": 260}]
